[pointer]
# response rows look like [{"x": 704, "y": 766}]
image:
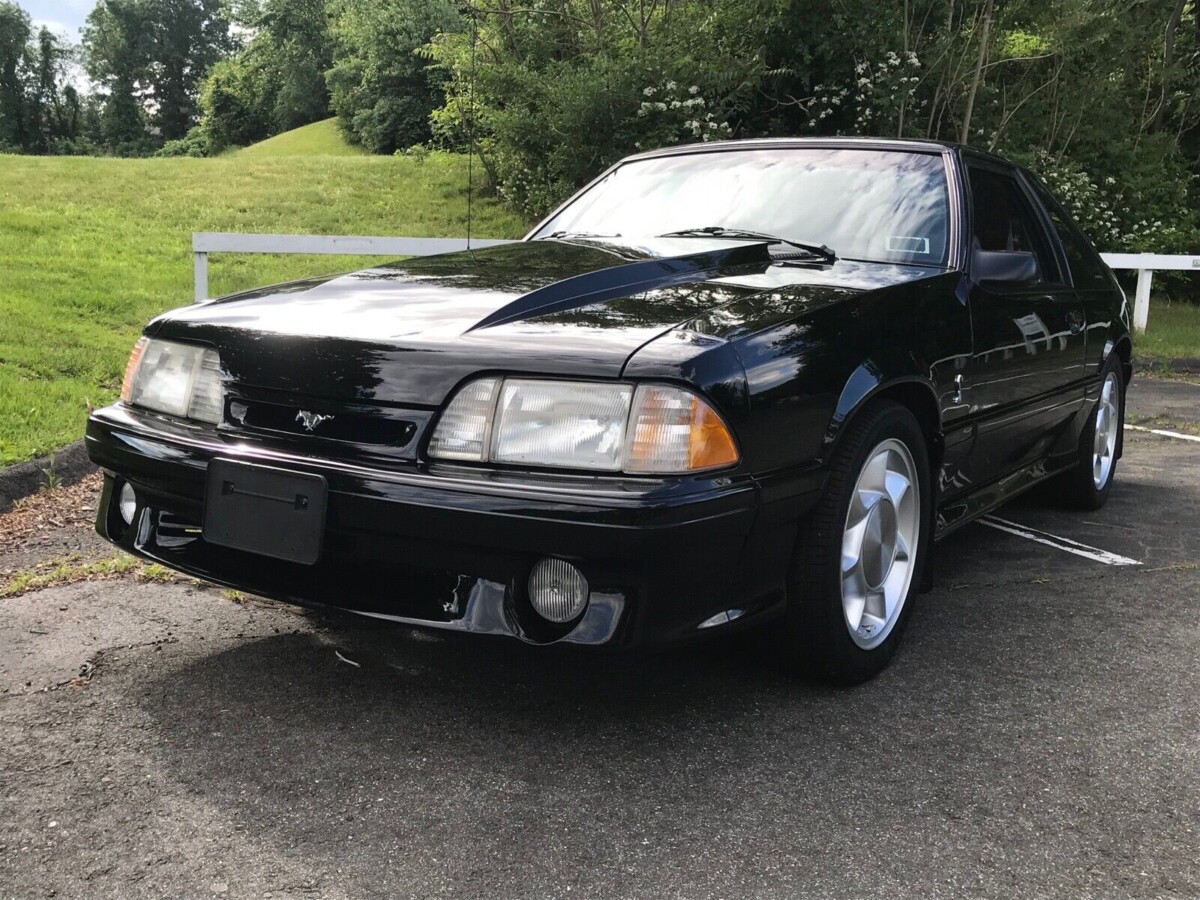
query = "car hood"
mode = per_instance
[{"x": 408, "y": 332}]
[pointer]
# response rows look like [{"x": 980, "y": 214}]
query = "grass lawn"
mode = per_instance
[
  {"x": 318, "y": 139},
  {"x": 1173, "y": 330},
  {"x": 90, "y": 249}
]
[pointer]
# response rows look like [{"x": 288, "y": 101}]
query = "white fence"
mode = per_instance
[
  {"x": 205, "y": 242},
  {"x": 1146, "y": 264}
]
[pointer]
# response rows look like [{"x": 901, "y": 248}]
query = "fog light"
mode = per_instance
[
  {"x": 557, "y": 590},
  {"x": 127, "y": 503}
]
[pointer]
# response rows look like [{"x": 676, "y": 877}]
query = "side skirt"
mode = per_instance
[{"x": 963, "y": 510}]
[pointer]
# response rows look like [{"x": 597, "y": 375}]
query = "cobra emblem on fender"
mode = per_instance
[{"x": 310, "y": 420}]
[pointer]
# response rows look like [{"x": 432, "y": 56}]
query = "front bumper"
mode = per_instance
[{"x": 453, "y": 548}]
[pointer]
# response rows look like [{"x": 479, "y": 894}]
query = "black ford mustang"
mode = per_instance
[{"x": 721, "y": 384}]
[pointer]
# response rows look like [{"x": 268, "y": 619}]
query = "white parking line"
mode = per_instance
[
  {"x": 1174, "y": 434},
  {"x": 1058, "y": 543}
]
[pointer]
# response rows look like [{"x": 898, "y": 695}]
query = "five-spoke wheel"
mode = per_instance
[
  {"x": 1107, "y": 427},
  {"x": 860, "y": 553},
  {"x": 883, "y": 527}
]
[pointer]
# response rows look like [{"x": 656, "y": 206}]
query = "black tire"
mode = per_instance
[
  {"x": 1077, "y": 486},
  {"x": 817, "y": 641}
]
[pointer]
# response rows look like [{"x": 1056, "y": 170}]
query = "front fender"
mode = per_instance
[{"x": 871, "y": 379}]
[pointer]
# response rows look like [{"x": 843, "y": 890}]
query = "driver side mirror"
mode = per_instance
[{"x": 1006, "y": 266}]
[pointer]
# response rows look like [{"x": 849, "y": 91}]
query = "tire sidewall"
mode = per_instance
[{"x": 815, "y": 591}]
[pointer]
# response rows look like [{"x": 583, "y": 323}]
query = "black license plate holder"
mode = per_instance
[{"x": 264, "y": 510}]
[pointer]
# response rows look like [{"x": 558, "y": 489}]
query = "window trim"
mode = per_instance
[
  {"x": 1035, "y": 184},
  {"x": 1040, "y": 218}
]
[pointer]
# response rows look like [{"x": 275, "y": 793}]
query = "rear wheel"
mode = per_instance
[
  {"x": 1087, "y": 485},
  {"x": 860, "y": 554}
]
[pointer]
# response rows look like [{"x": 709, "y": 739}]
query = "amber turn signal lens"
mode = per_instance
[
  {"x": 131, "y": 367},
  {"x": 710, "y": 445},
  {"x": 675, "y": 431}
]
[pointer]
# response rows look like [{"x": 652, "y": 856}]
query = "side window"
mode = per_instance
[
  {"x": 1087, "y": 269},
  {"x": 1004, "y": 219}
]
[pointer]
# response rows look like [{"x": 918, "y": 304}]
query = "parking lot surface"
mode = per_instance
[{"x": 1037, "y": 735}]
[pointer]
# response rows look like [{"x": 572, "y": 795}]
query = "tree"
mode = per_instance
[
  {"x": 14, "y": 38},
  {"x": 186, "y": 38},
  {"x": 276, "y": 81},
  {"x": 382, "y": 91},
  {"x": 148, "y": 57},
  {"x": 298, "y": 31}
]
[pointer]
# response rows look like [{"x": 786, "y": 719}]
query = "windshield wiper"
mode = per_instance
[
  {"x": 575, "y": 234},
  {"x": 741, "y": 234}
]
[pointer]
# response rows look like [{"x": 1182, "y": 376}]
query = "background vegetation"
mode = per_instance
[{"x": 1100, "y": 96}]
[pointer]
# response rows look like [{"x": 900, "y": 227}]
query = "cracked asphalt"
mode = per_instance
[{"x": 1036, "y": 737}]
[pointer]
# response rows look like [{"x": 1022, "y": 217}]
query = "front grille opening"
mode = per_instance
[{"x": 361, "y": 426}]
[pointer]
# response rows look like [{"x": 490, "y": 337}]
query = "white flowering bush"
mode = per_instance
[
  {"x": 674, "y": 115},
  {"x": 871, "y": 102},
  {"x": 1114, "y": 217}
]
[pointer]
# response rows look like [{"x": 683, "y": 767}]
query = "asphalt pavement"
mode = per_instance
[{"x": 1037, "y": 736}]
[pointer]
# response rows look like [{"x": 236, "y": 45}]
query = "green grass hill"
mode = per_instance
[{"x": 318, "y": 139}]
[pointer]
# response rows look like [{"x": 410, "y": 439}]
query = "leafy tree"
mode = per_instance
[
  {"x": 15, "y": 30},
  {"x": 187, "y": 36},
  {"x": 303, "y": 50},
  {"x": 148, "y": 57},
  {"x": 276, "y": 81},
  {"x": 382, "y": 90},
  {"x": 1090, "y": 92},
  {"x": 40, "y": 111}
]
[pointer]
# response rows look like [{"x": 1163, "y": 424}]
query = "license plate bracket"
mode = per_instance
[{"x": 265, "y": 510}]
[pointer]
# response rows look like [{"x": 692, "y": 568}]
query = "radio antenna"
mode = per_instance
[{"x": 470, "y": 113}]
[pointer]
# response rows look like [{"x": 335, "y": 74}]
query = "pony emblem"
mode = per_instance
[{"x": 310, "y": 420}]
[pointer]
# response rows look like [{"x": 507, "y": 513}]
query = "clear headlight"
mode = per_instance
[
  {"x": 547, "y": 423},
  {"x": 177, "y": 379},
  {"x": 653, "y": 429}
]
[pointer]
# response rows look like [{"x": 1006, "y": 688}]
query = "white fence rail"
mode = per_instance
[
  {"x": 206, "y": 242},
  {"x": 1146, "y": 264}
]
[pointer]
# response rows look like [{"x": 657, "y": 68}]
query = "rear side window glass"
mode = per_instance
[
  {"x": 1087, "y": 270},
  {"x": 1004, "y": 219}
]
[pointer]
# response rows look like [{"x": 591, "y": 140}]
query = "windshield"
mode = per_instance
[{"x": 882, "y": 205}]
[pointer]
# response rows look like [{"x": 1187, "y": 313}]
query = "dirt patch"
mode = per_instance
[{"x": 53, "y": 523}]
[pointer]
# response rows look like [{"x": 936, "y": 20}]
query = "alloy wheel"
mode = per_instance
[
  {"x": 1108, "y": 421},
  {"x": 879, "y": 543}
]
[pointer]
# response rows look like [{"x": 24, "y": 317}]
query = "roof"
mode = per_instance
[{"x": 911, "y": 144}]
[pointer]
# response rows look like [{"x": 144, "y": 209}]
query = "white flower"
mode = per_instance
[
  {"x": 649, "y": 92},
  {"x": 694, "y": 89}
]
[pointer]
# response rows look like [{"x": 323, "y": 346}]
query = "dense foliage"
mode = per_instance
[
  {"x": 383, "y": 92},
  {"x": 1102, "y": 97},
  {"x": 148, "y": 57},
  {"x": 40, "y": 111}
]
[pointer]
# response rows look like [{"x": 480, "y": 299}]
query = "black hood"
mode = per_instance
[{"x": 408, "y": 332}]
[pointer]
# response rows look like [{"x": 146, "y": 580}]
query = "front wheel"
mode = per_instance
[{"x": 861, "y": 552}]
